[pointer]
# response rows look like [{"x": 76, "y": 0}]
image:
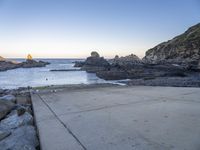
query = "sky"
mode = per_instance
[{"x": 74, "y": 28}]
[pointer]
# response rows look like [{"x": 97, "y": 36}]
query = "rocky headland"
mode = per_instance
[
  {"x": 29, "y": 63},
  {"x": 177, "y": 62},
  {"x": 17, "y": 129}
]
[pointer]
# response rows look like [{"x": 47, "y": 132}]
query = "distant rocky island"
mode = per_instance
[
  {"x": 175, "y": 62},
  {"x": 6, "y": 64}
]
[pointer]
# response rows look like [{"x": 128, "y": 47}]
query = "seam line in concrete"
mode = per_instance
[{"x": 65, "y": 126}]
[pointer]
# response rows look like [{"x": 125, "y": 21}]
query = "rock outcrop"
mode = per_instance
[
  {"x": 183, "y": 50},
  {"x": 95, "y": 63},
  {"x": 29, "y": 63},
  {"x": 124, "y": 61},
  {"x": 33, "y": 63}
]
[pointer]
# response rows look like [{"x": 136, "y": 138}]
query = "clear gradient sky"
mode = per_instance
[{"x": 73, "y": 28}]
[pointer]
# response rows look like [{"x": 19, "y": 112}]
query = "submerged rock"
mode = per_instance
[{"x": 22, "y": 138}]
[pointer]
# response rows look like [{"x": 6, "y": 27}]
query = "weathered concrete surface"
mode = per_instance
[{"x": 116, "y": 118}]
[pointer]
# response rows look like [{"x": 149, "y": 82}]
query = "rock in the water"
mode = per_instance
[
  {"x": 94, "y": 63},
  {"x": 22, "y": 138},
  {"x": 29, "y": 63},
  {"x": 183, "y": 49},
  {"x": 5, "y": 108},
  {"x": 15, "y": 121},
  {"x": 10, "y": 98},
  {"x": 4, "y": 134},
  {"x": 79, "y": 64}
]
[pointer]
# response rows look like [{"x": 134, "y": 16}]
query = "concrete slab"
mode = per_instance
[{"x": 116, "y": 118}]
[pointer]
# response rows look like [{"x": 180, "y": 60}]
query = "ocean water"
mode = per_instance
[{"x": 23, "y": 77}]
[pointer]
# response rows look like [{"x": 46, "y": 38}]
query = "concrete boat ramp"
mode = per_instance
[{"x": 118, "y": 118}]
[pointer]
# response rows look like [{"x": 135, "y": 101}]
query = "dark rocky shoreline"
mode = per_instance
[
  {"x": 8, "y": 65},
  {"x": 178, "y": 58},
  {"x": 17, "y": 129}
]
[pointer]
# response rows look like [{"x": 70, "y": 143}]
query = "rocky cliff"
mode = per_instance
[{"x": 183, "y": 49}]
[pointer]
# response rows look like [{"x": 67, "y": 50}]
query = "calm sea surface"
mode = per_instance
[{"x": 23, "y": 77}]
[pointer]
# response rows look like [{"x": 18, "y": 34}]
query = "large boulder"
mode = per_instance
[
  {"x": 95, "y": 54},
  {"x": 183, "y": 49},
  {"x": 22, "y": 138},
  {"x": 15, "y": 121},
  {"x": 5, "y": 108},
  {"x": 95, "y": 63}
]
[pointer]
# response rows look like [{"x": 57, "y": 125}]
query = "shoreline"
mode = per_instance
[{"x": 159, "y": 81}]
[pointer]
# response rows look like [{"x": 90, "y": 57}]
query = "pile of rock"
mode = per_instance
[{"x": 17, "y": 130}]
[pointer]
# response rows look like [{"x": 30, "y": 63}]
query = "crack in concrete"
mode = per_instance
[
  {"x": 65, "y": 126},
  {"x": 111, "y": 106}
]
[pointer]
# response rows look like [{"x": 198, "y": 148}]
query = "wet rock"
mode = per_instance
[
  {"x": 4, "y": 134},
  {"x": 22, "y": 138},
  {"x": 15, "y": 121},
  {"x": 5, "y": 108},
  {"x": 10, "y": 98}
]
